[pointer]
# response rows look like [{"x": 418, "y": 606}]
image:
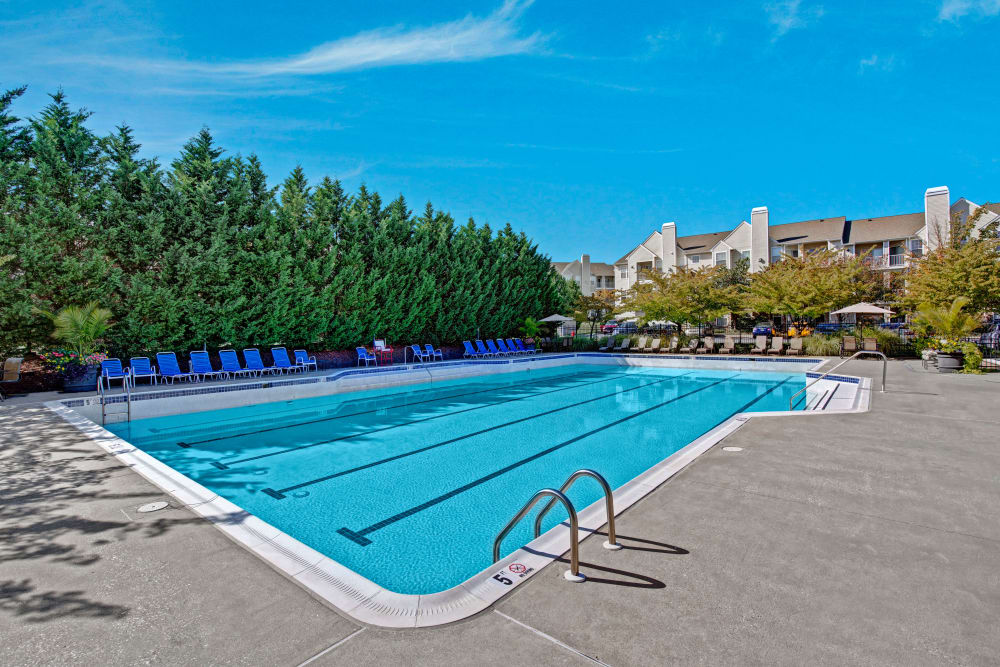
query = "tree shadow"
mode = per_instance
[{"x": 21, "y": 599}]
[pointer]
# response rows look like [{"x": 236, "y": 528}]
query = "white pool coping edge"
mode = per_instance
[{"x": 362, "y": 599}]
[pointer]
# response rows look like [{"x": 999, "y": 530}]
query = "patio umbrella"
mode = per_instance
[
  {"x": 562, "y": 321},
  {"x": 860, "y": 309}
]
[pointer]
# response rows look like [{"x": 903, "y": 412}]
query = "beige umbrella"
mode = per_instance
[{"x": 860, "y": 309}]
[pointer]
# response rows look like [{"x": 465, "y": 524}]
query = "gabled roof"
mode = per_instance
[
  {"x": 993, "y": 207},
  {"x": 699, "y": 243},
  {"x": 624, "y": 257},
  {"x": 885, "y": 228},
  {"x": 601, "y": 269},
  {"x": 809, "y": 231},
  {"x": 559, "y": 266}
]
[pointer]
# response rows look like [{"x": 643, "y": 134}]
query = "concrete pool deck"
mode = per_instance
[{"x": 865, "y": 538}]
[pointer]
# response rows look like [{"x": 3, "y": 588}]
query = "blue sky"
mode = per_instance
[{"x": 585, "y": 124}]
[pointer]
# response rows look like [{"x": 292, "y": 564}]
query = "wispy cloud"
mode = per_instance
[
  {"x": 877, "y": 62},
  {"x": 788, "y": 15},
  {"x": 595, "y": 149},
  {"x": 466, "y": 39},
  {"x": 952, "y": 10}
]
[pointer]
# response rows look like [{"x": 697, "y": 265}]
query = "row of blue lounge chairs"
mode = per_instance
[
  {"x": 510, "y": 348},
  {"x": 201, "y": 368}
]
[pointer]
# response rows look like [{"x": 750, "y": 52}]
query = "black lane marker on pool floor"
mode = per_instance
[
  {"x": 225, "y": 466},
  {"x": 359, "y": 536},
  {"x": 280, "y": 493},
  {"x": 366, "y": 412}
]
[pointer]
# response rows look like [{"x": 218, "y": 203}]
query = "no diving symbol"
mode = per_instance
[{"x": 517, "y": 568}]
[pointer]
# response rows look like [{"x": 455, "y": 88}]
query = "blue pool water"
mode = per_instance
[{"x": 408, "y": 486}]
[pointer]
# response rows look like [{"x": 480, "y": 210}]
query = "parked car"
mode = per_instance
[
  {"x": 609, "y": 327},
  {"x": 626, "y": 328},
  {"x": 763, "y": 329},
  {"x": 705, "y": 330},
  {"x": 832, "y": 327}
]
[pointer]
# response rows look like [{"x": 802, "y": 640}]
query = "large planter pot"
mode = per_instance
[
  {"x": 950, "y": 362},
  {"x": 85, "y": 382}
]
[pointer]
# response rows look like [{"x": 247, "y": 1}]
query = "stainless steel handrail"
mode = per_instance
[
  {"x": 574, "y": 527},
  {"x": 885, "y": 364},
  {"x": 609, "y": 505}
]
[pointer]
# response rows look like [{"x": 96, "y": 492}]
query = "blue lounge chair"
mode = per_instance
[
  {"x": 303, "y": 359},
  {"x": 111, "y": 369},
  {"x": 201, "y": 366},
  {"x": 520, "y": 346},
  {"x": 170, "y": 370},
  {"x": 366, "y": 356},
  {"x": 231, "y": 364},
  {"x": 139, "y": 367},
  {"x": 483, "y": 352},
  {"x": 255, "y": 363},
  {"x": 504, "y": 350},
  {"x": 494, "y": 350},
  {"x": 418, "y": 353},
  {"x": 433, "y": 353},
  {"x": 470, "y": 352},
  {"x": 282, "y": 362},
  {"x": 513, "y": 347}
]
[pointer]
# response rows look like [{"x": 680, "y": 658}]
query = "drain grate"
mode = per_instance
[
  {"x": 732, "y": 449},
  {"x": 153, "y": 507}
]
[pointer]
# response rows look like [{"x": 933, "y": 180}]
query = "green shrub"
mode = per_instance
[
  {"x": 822, "y": 346},
  {"x": 585, "y": 344},
  {"x": 889, "y": 342},
  {"x": 973, "y": 358}
]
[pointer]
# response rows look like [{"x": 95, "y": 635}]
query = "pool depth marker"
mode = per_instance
[{"x": 359, "y": 536}]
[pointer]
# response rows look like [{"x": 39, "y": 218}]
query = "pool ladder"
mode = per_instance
[
  {"x": 559, "y": 496},
  {"x": 104, "y": 396}
]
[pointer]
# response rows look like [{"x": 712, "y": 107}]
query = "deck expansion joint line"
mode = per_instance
[
  {"x": 830, "y": 508},
  {"x": 364, "y": 532},
  {"x": 330, "y": 648},
  {"x": 551, "y": 639}
]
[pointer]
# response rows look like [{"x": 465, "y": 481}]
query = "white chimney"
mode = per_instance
[
  {"x": 759, "y": 255},
  {"x": 937, "y": 217},
  {"x": 668, "y": 247},
  {"x": 585, "y": 287}
]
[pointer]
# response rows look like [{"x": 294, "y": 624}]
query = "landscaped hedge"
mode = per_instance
[{"x": 205, "y": 252}]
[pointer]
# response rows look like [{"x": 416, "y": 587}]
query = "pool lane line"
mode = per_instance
[
  {"x": 280, "y": 493},
  {"x": 359, "y": 536},
  {"x": 225, "y": 465},
  {"x": 186, "y": 444}
]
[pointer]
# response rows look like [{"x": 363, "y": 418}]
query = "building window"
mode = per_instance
[
  {"x": 694, "y": 259},
  {"x": 775, "y": 254},
  {"x": 659, "y": 264},
  {"x": 593, "y": 281},
  {"x": 792, "y": 252},
  {"x": 917, "y": 247},
  {"x": 745, "y": 254},
  {"x": 623, "y": 274},
  {"x": 720, "y": 259},
  {"x": 609, "y": 282}
]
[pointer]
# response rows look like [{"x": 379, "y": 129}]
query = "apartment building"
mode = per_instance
[
  {"x": 889, "y": 241},
  {"x": 590, "y": 276}
]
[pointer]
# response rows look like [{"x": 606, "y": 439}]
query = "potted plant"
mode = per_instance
[
  {"x": 948, "y": 327},
  {"x": 79, "y": 327}
]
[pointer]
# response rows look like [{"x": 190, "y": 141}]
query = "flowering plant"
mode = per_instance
[{"x": 70, "y": 364}]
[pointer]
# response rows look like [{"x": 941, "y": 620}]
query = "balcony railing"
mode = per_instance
[{"x": 887, "y": 262}]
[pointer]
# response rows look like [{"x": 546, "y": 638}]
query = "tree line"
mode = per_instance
[{"x": 205, "y": 252}]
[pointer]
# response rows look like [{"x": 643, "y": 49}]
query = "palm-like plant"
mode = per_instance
[
  {"x": 951, "y": 323},
  {"x": 80, "y": 327}
]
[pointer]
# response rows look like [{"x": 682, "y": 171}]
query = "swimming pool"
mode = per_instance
[{"x": 408, "y": 486}]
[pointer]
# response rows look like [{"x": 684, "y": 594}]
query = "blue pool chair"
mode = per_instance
[
  {"x": 303, "y": 359},
  {"x": 139, "y": 367},
  {"x": 520, "y": 346},
  {"x": 282, "y": 362},
  {"x": 530, "y": 347},
  {"x": 494, "y": 350},
  {"x": 418, "y": 354},
  {"x": 513, "y": 347},
  {"x": 170, "y": 370},
  {"x": 201, "y": 366},
  {"x": 255, "y": 363},
  {"x": 483, "y": 352},
  {"x": 470, "y": 352},
  {"x": 433, "y": 353},
  {"x": 366, "y": 356},
  {"x": 111, "y": 369},
  {"x": 504, "y": 350},
  {"x": 231, "y": 364}
]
